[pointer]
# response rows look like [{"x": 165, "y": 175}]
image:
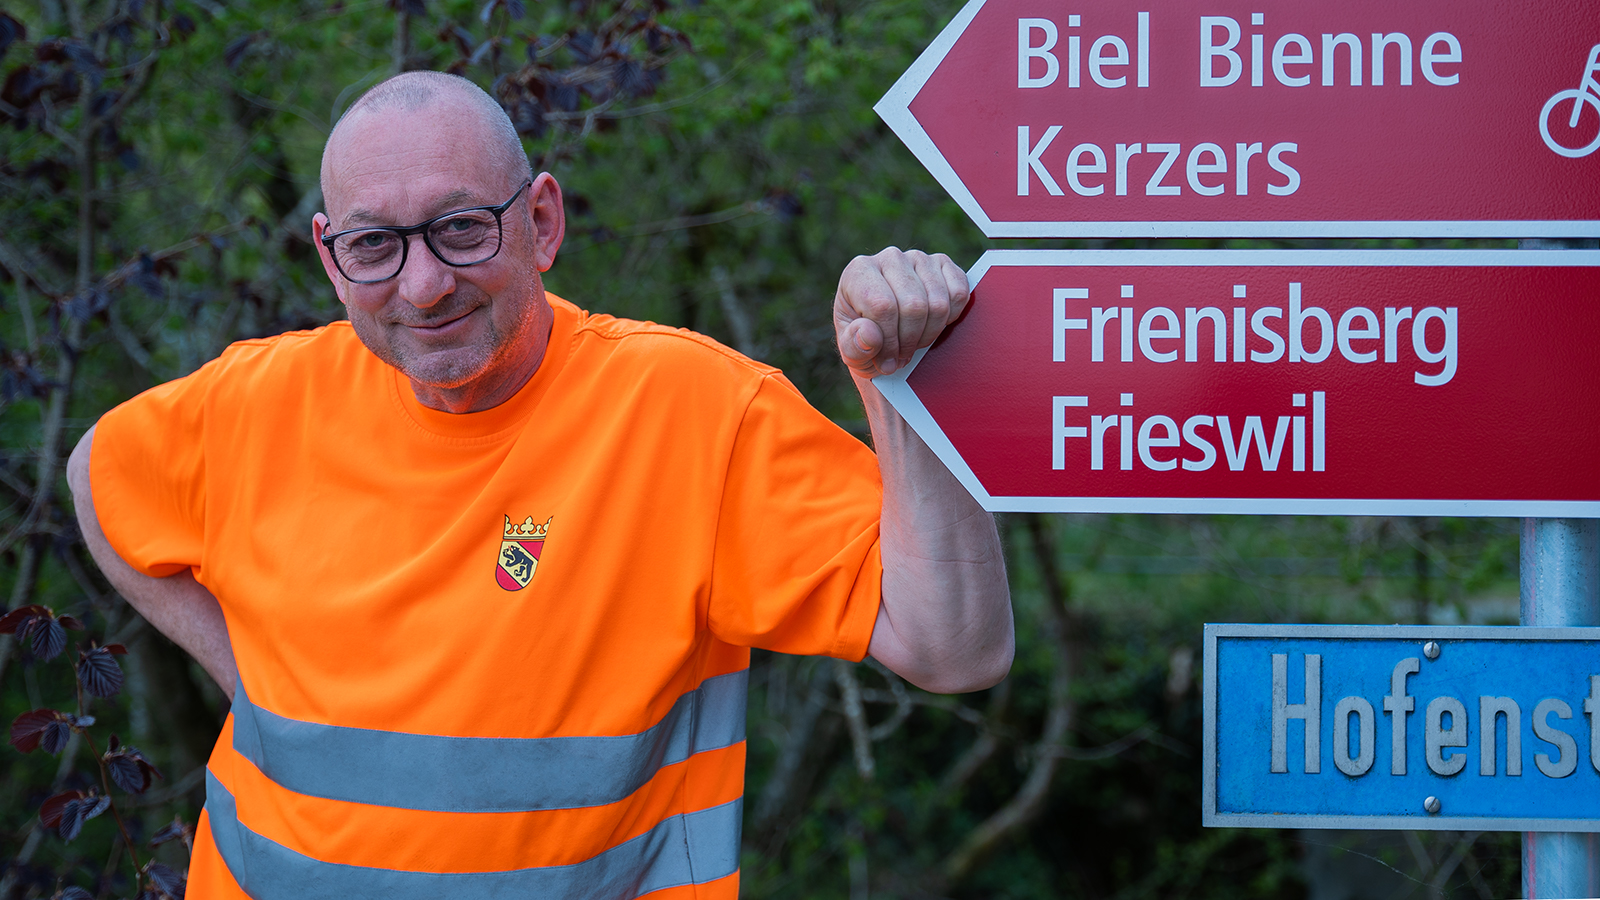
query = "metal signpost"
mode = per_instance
[{"x": 1383, "y": 382}]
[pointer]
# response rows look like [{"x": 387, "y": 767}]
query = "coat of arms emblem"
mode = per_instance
[{"x": 519, "y": 552}]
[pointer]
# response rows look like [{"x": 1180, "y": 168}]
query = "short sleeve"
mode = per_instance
[
  {"x": 796, "y": 567},
  {"x": 147, "y": 476}
]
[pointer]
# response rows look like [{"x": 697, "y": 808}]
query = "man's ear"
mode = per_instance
[
  {"x": 549, "y": 220},
  {"x": 319, "y": 227}
]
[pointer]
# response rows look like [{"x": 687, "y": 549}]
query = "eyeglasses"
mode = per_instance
[{"x": 462, "y": 237}]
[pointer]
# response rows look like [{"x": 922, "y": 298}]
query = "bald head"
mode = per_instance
[{"x": 430, "y": 93}]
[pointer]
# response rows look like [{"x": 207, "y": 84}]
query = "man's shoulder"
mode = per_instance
[
  {"x": 304, "y": 353},
  {"x": 647, "y": 342}
]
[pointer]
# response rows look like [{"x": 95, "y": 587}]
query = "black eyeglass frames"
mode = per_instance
[{"x": 461, "y": 237}]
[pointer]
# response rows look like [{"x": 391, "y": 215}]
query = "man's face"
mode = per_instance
[{"x": 467, "y": 337}]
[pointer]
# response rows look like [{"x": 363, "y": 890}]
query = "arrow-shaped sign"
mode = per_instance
[
  {"x": 1392, "y": 382},
  {"x": 1326, "y": 118}
]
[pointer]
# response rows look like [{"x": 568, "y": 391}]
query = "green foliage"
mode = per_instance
[{"x": 720, "y": 182}]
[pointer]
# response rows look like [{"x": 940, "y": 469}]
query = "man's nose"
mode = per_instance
[{"x": 424, "y": 280}]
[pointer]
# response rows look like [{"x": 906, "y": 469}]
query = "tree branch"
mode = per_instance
[
  {"x": 1030, "y": 798},
  {"x": 855, "y": 717}
]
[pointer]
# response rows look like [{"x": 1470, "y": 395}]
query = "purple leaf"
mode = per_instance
[
  {"x": 167, "y": 881},
  {"x": 99, "y": 673},
  {"x": 128, "y": 774},
  {"x": 50, "y": 810},
  {"x": 46, "y": 637},
  {"x": 28, "y": 729},
  {"x": 72, "y": 819},
  {"x": 173, "y": 831},
  {"x": 55, "y": 736},
  {"x": 14, "y": 620}
]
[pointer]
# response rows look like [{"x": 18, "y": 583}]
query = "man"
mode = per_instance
[{"x": 480, "y": 571}]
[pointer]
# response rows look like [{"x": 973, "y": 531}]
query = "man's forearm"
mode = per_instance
[
  {"x": 945, "y": 624},
  {"x": 178, "y": 606}
]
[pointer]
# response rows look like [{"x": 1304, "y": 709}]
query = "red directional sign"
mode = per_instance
[
  {"x": 1173, "y": 118},
  {"x": 1394, "y": 382}
]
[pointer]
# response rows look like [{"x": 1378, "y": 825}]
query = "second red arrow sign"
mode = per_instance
[{"x": 1336, "y": 382}]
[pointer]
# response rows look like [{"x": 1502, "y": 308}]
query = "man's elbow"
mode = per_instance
[{"x": 975, "y": 670}]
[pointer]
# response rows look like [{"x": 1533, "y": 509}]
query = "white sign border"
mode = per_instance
[
  {"x": 905, "y": 401},
  {"x": 1210, "y": 818},
  {"x": 895, "y": 110}
]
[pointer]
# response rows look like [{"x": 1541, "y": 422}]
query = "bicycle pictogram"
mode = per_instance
[{"x": 1587, "y": 91}]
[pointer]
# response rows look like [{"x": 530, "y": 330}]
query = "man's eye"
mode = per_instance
[{"x": 373, "y": 240}]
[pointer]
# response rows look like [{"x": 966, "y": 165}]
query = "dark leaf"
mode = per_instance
[
  {"x": 181, "y": 25},
  {"x": 88, "y": 304},
  {"x": 146, "y": 278},
  {"x": 118, "y": 649},
  {"x": 71, "y": 623},
  {"x": 11, "y": 31},
  {"x": 633, "y": 80},
  {"x": 487, "y": 11},
  {"x": 74, "y": 893},
  {"x": 584, "y": 47},
  {"x": 53, "y": 50},
  {"x": 129, "y": 769},
  {"x": 236, "y": 48},
  {"x": 102, "y": 104},
  {"x": 516, "y": 8},
  {"x": 99, "y": 673},
  {"x": 72, "y": 819},
  {"x": 11, "y": 621},
  {"x": 528, "y": 117},
  {"x": 174, "y": 830},
  {"x": 55, "y": 736},
  {"x": 460, "y": 37},
  {"x": 96, "y": 806},
  {"x": 84, "y": 61},
  {"x": 46, "y": 637},
  {"x": 564, "y": 96},
  {"x": 50, "y": 810},
  {"x": 484, "y": 51},
  {"x": 113, "y": 744},
  {"x": 128, "y": 774},
  {"x": 28, "y": 729},
  {"x": 166, "y": 880}
]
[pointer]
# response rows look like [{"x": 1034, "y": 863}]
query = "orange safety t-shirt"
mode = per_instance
[{"x": 499, "y": 654}]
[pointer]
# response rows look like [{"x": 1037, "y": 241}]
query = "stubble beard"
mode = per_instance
[{"x": 455, "y": 367}]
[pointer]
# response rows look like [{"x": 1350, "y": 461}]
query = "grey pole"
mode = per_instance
[{"x": 1560, "y": 587}]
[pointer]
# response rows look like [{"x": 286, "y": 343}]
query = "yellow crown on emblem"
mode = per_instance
[{"x": 528, "y": 530}]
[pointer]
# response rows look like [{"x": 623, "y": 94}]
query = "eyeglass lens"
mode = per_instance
[{"x": 376, "y": 254}]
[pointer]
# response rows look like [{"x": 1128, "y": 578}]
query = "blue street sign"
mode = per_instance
[{"x": 1402, "y": 727}]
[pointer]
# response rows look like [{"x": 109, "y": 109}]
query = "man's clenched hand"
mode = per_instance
[{"x": 893, "y": 304}]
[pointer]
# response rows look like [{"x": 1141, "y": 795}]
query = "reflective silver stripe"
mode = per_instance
[
  {"x": 691, "y": 848},
  {"x": 457, "y": 774}
]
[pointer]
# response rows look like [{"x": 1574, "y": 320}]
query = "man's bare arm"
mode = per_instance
[
  {"x": 945, "y": 624},
  {"x": 178, "y": 606}
]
